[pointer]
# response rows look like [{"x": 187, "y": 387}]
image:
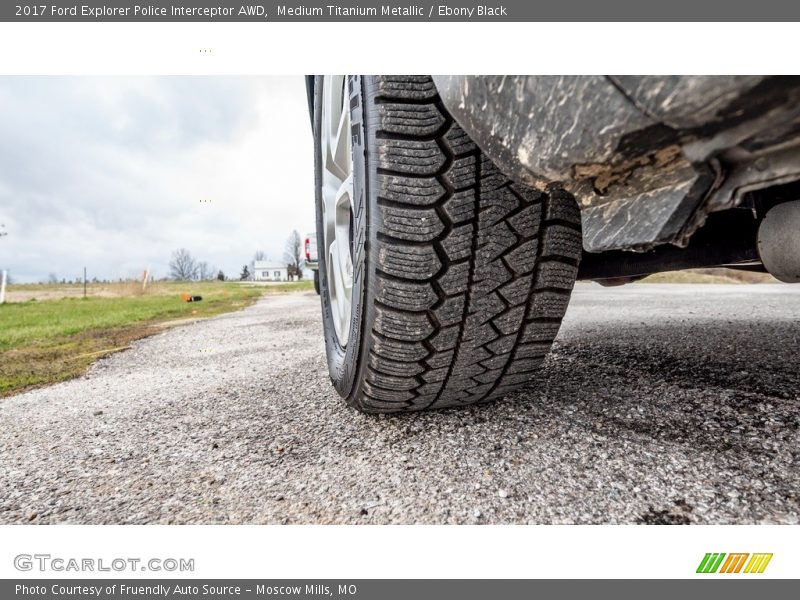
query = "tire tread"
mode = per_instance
[{"x": 473, "y": 271}]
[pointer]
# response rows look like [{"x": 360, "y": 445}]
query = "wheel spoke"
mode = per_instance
[
  {"x": 336, "y": 123},
  {"x": 343, "y": 219},
  {"x": 340, "y": 150},
  {"x": 335, "y": 276}
]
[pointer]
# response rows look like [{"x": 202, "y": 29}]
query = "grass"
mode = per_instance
[{"x": 51, "y": 333}]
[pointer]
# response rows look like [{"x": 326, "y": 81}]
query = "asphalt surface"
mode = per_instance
[{"x": 660, "y": 404}]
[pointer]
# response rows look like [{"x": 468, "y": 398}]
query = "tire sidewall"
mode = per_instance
[{"x": 344, "y": 362}]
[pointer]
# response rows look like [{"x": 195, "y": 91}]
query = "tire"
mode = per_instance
[
  {"x": 316, "y": 281},
  {"x": 460, "y": 276}
]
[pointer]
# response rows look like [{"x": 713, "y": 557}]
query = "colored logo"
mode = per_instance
[{"x": 719, "y": 562}]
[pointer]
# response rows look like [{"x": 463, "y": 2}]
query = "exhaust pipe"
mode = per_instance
[{"x": 779, "y": 241}]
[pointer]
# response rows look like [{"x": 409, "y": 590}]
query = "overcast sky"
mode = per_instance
[{"x": 109, "y": 172}]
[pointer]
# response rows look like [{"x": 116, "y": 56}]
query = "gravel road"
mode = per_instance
[{"x": 660, "y": 404}]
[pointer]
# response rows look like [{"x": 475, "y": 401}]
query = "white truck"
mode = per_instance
[{"x": 312, "y": 262}]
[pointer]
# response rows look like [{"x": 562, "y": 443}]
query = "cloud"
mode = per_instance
[{"x": 109, "y": 172}]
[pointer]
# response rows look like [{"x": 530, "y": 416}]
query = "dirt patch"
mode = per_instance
[
  {"x": 604, "y": 175},
  {"x": 28, "y": 292}
]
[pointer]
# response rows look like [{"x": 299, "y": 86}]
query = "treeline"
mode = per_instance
[{"x": 185, "y": 267}]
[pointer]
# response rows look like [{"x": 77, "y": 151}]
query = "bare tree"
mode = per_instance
[
  {"x": 293, "y": 255},
  {"x": 245, "y": 274},
  {"x": 205, "y": 271},
  {"x": 52, "y": 278},
  {"x": 182, "y": 266},
  {"x": 259, "y": 255}
]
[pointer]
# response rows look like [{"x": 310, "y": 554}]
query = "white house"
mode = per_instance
[{"x": 267, "y": 271}]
